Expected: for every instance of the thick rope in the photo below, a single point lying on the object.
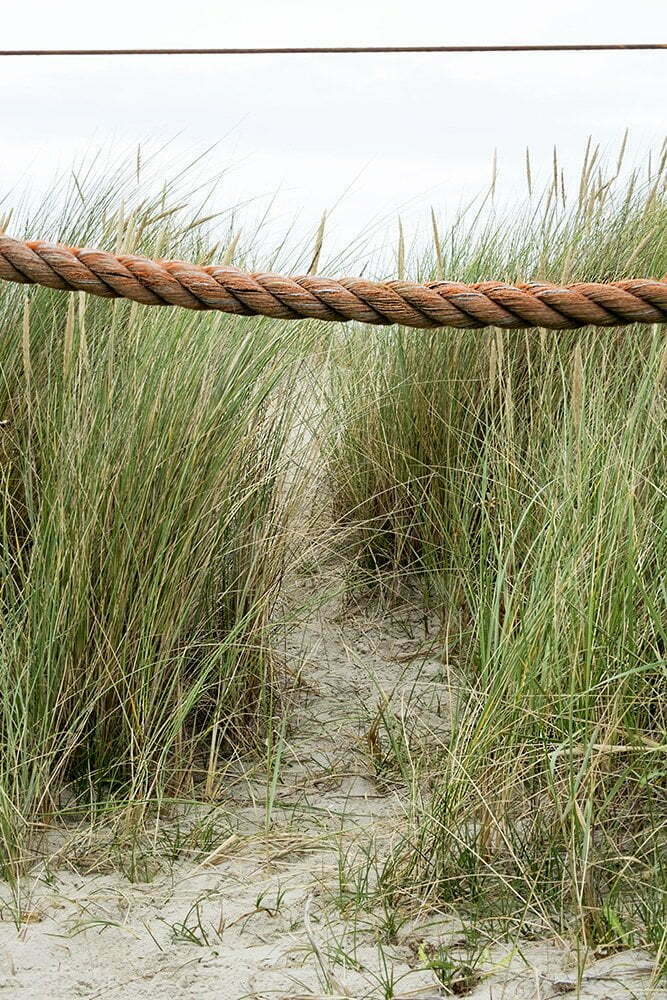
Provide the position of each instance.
(231, 290)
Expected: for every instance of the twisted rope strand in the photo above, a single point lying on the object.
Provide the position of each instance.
(231, 290)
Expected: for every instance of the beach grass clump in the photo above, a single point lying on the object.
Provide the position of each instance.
(515, 482)
(147, 484)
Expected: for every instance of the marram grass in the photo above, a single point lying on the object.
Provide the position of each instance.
(512, 482)
(147, 485)
(516, 482)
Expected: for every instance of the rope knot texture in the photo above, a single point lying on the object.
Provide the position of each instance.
(423, 306)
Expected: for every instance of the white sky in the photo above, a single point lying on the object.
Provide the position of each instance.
(406, 131)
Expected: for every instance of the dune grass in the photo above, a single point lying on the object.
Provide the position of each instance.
(146, 490)
(516, 482)
(512, 483)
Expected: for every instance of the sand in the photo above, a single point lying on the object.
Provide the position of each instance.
(264, 911)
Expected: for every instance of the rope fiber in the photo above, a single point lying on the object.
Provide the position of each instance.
(232, 290)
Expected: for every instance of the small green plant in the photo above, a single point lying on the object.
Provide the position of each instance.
(193, 930)
(264, 904)
(458, 967)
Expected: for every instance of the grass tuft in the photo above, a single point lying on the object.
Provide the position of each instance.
(515, 481)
